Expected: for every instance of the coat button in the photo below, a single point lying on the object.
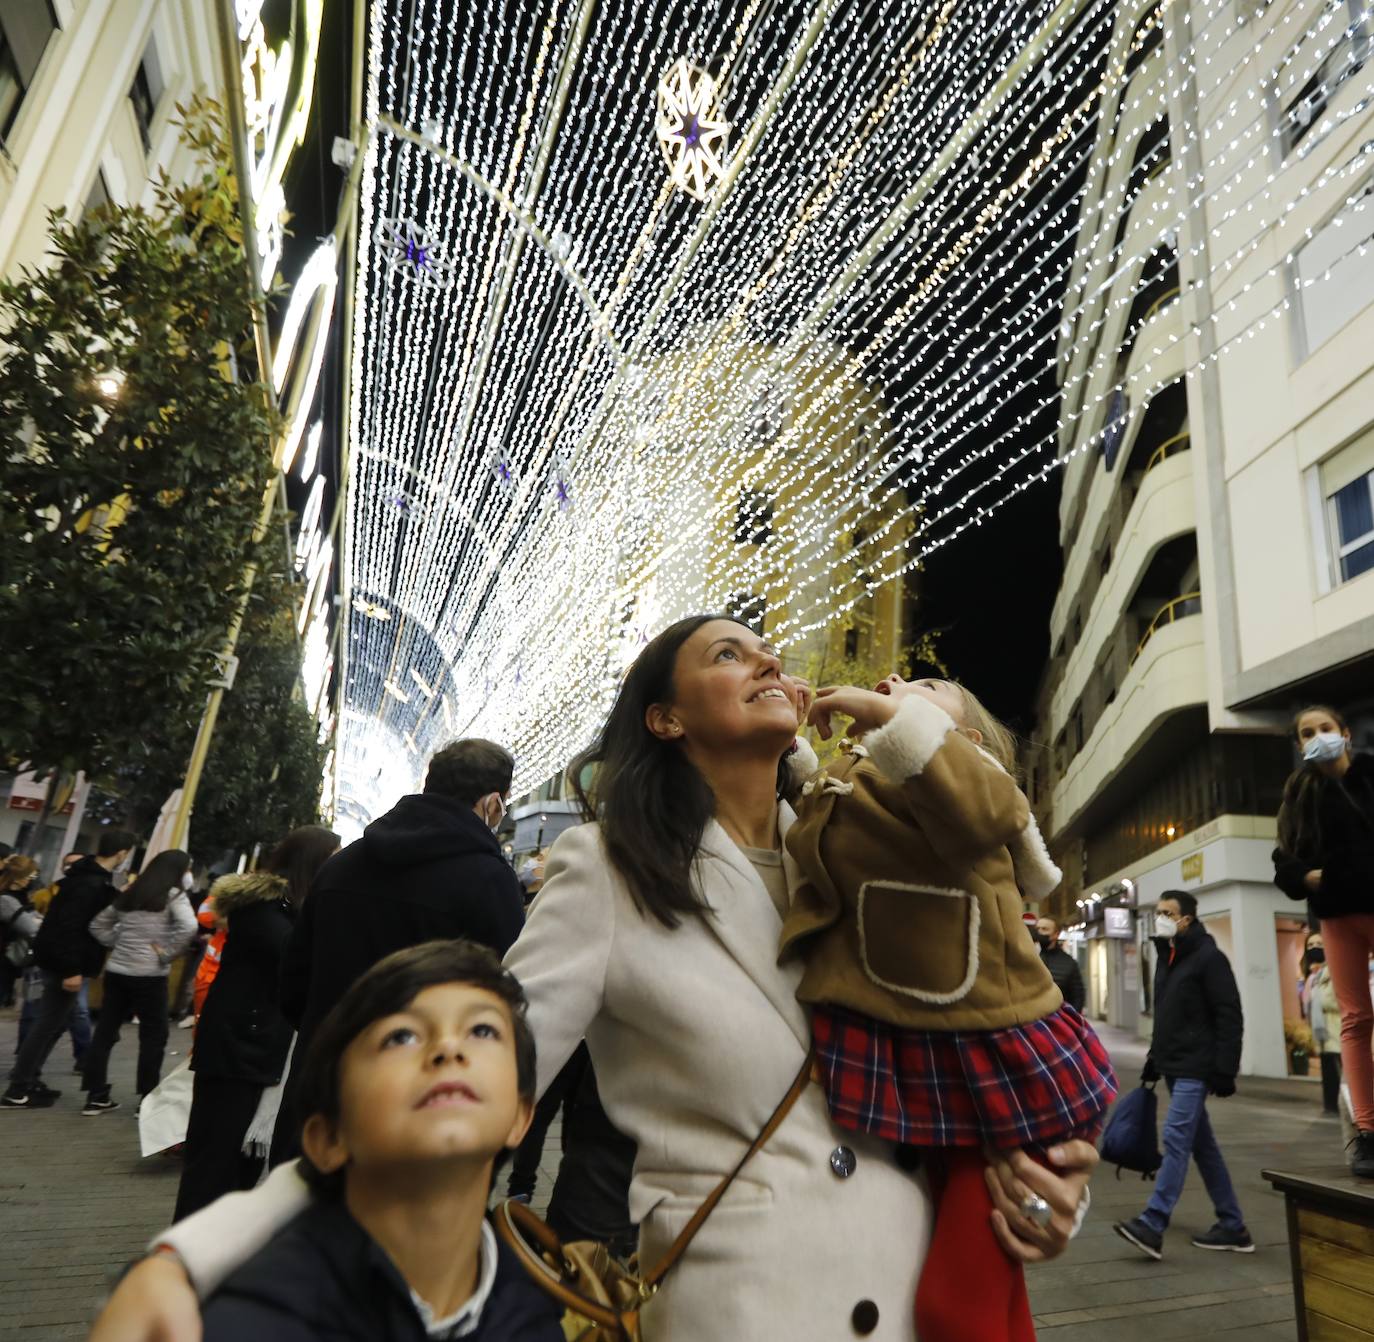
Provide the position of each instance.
(865, 1317)
(843, 1161)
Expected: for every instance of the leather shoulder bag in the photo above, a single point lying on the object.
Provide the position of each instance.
(603, 1298)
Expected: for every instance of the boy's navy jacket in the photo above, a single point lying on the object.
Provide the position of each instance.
(323, 1277)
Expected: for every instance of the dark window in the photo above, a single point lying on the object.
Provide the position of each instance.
(1144, 45)
(99, 193)
(753, 518)
(1353, 508)
(146, 94)
(1302, 111)
(1077, 625)
(25, 29)
(747, 609)
(851, 643)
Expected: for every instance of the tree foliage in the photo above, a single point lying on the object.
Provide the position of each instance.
(137, 450)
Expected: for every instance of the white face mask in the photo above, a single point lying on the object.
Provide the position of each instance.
(1324, 747)
(500, 814)
(1165, 926)
(188, 881)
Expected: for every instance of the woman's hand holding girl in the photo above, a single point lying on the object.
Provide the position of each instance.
(1013, 1177)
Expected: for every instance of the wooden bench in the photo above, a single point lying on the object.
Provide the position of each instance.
(1331, 1240)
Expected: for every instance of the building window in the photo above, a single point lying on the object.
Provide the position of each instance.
(146, 93)
(99, 194)
(1334, 280)
(26, 26)
(1352, 527)
(1303, 108)
(753, 518)
(1145, 41)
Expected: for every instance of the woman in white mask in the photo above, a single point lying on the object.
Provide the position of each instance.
(1326, 856)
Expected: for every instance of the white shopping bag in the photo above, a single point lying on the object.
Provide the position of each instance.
(166, 1110)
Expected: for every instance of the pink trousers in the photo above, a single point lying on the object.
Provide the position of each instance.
(1349, 942)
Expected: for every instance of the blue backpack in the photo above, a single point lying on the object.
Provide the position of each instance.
(1131, 1141)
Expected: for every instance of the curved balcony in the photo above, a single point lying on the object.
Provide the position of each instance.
(1180, 442)
(1177, 609)
(1168, 676)
(1164, 507)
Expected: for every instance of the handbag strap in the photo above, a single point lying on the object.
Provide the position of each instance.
(689, 1231)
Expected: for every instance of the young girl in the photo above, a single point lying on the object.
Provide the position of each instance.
(935, 1023)
(1326, 857)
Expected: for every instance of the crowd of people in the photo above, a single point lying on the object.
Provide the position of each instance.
(815, 977)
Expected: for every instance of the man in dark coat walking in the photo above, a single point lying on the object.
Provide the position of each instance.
(1196, 1049)
(67, 955)
(429, 869)
(1068, 978)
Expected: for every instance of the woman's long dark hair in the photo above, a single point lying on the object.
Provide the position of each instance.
(652, 803)
(1300, 830)
(155, 885)
(298, 858)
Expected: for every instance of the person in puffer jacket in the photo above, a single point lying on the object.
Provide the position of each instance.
(146, 928)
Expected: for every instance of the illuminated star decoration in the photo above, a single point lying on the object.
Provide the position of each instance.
(408, 249)
(692, 140)
(503, 471)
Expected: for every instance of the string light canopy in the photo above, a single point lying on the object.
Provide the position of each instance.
(663, 308)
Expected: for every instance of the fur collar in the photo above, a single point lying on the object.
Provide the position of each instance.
(231, 893)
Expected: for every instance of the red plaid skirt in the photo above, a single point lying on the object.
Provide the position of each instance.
(1025, 1085)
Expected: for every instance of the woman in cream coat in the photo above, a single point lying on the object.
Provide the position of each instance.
(655, 937)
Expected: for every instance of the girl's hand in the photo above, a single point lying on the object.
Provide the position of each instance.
(804, 696)
(867, 708)
(1313, 881)
(1013, 1175)
(154, 1303)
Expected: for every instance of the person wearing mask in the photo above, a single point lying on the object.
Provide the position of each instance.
(67, 954)
(242, 1039)
(1325, 856)
(1196, 1049)
(18, 921)
(146, 928)
(1062, 966)
(1323, 1015)
(430, 868)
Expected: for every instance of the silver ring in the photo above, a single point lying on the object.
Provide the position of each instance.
(1036, 1210)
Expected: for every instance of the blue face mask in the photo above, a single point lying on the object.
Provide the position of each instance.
(1324, 747)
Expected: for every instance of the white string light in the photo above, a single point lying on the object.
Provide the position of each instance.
(565, 371)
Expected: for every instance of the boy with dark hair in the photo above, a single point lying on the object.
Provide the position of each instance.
(415, 1083)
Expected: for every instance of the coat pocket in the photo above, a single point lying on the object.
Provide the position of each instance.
(919, 940)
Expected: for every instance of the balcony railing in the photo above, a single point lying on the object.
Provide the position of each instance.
(1162, 301)
(1180, 442)
(1177, 609)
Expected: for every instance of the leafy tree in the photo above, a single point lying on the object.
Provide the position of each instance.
(262, 774)
(137, 451)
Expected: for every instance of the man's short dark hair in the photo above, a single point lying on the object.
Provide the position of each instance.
(1187, 902)
(391, 985)
(470, 769)
(114, 841)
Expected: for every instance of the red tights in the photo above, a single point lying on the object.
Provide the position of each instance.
(970, 1291)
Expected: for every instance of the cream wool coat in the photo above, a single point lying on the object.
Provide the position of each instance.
(696, 1034)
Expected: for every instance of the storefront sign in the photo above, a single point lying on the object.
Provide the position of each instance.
(1192, 867)
(1118, 923)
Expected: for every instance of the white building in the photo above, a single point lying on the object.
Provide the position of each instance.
(1217, 517)
(88, 94)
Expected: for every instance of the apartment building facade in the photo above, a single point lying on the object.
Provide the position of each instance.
(1217, 517)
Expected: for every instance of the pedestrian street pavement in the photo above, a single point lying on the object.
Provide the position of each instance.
(77, 1202)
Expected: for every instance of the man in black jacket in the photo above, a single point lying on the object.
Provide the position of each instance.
(1063, 967)
(1196, 1049)
(67, 955)
(429, 869)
